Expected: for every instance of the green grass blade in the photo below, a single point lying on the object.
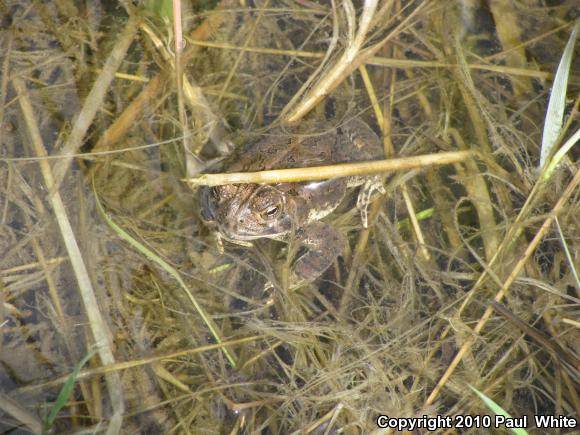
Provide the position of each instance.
(160, 8)
(498, 410)
(170, 270)
(65, 392)
(557, 102)
(560, 154)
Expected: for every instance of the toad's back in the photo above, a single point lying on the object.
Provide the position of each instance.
(280, 149)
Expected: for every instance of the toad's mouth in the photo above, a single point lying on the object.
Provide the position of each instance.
(236, 235)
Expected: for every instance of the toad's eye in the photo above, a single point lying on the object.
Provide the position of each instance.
(271, 212)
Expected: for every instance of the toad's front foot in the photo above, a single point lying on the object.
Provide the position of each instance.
(364, 197)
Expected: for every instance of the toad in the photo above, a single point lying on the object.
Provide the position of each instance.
(293, 211)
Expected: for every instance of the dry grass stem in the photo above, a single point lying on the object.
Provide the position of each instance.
(22, 415)
(331, 171)
(344, 65)
(382, 61)
(99, 328)
(95, 98)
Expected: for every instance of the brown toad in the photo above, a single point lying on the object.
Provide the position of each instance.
(293, 211)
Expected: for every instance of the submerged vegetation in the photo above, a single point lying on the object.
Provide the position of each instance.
(466, 278)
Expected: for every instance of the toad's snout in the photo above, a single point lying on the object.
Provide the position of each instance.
(240, 226)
